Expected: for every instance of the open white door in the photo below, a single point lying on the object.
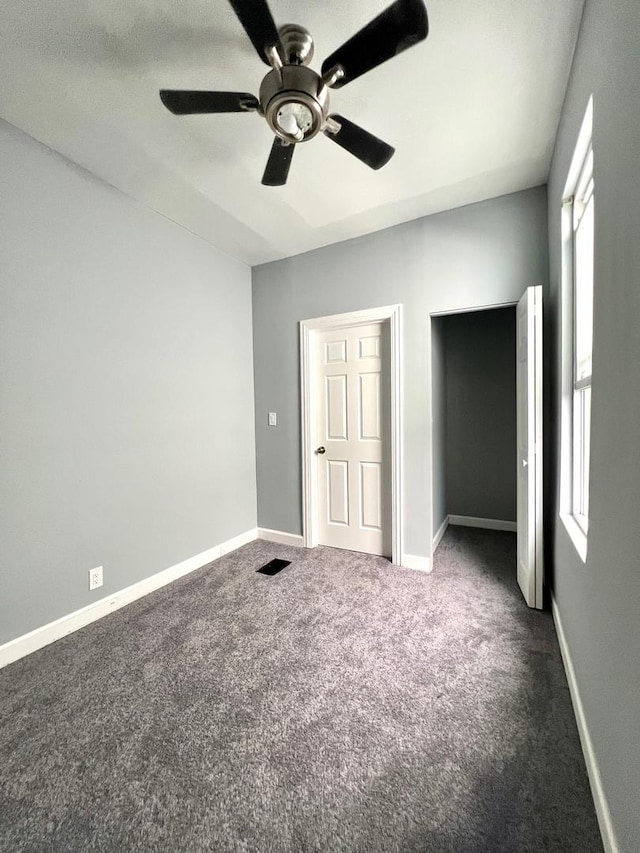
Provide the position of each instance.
(529, 416)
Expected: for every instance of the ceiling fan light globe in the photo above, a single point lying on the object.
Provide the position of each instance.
(288, 124)
(294, 119)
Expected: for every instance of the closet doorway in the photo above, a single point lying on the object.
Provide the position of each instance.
(487, 427)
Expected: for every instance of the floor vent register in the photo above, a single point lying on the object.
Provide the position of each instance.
(274, 566)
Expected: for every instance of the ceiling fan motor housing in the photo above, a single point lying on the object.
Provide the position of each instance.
(293, 98)
(288, 87)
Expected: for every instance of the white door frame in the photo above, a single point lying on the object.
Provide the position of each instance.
(308, 328)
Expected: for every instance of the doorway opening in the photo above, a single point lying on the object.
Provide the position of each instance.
(474, 416)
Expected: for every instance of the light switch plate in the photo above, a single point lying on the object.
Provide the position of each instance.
(272, 419)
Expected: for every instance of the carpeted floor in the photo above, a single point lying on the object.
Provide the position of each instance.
(343, 705)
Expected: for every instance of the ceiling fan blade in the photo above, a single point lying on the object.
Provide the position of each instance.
(399, 27)
(185, 102)
(257, 20)
(275, 175)
(362, 144)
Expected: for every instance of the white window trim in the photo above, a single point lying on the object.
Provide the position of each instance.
(576, 534)
(574, 187)
(582, 196)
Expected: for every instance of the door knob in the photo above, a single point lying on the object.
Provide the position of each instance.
(321, 450)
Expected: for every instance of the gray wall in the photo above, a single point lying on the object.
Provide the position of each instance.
(439, 421)
(481, 414)
(599, 602)
(126, 392)
(484, 254)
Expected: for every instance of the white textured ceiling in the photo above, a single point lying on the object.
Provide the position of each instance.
(472, 111)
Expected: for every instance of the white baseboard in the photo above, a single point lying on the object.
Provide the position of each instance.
(280, 537)
(607, 831)
(486, 523)
(420, 564)
(439, 534)
(43, 636)
(225, 548)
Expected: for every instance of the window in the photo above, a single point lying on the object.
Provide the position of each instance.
(583, 233)
(578, 218)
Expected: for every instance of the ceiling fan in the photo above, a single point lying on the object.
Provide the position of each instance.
(294, 99)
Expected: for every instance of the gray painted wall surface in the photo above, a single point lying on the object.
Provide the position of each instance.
(439, 421)
(481, 414)
(600, 602)
(484, 254)
(126, 392)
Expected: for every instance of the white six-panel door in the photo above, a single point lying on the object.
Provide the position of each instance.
(352, 435)
(529, 430)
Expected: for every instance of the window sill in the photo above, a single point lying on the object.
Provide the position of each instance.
(576, 534)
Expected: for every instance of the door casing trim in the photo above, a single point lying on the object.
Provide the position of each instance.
(308, 328)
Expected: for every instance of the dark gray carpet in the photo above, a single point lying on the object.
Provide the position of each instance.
(342, 705)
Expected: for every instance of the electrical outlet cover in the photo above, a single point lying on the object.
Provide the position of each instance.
(95, 577)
